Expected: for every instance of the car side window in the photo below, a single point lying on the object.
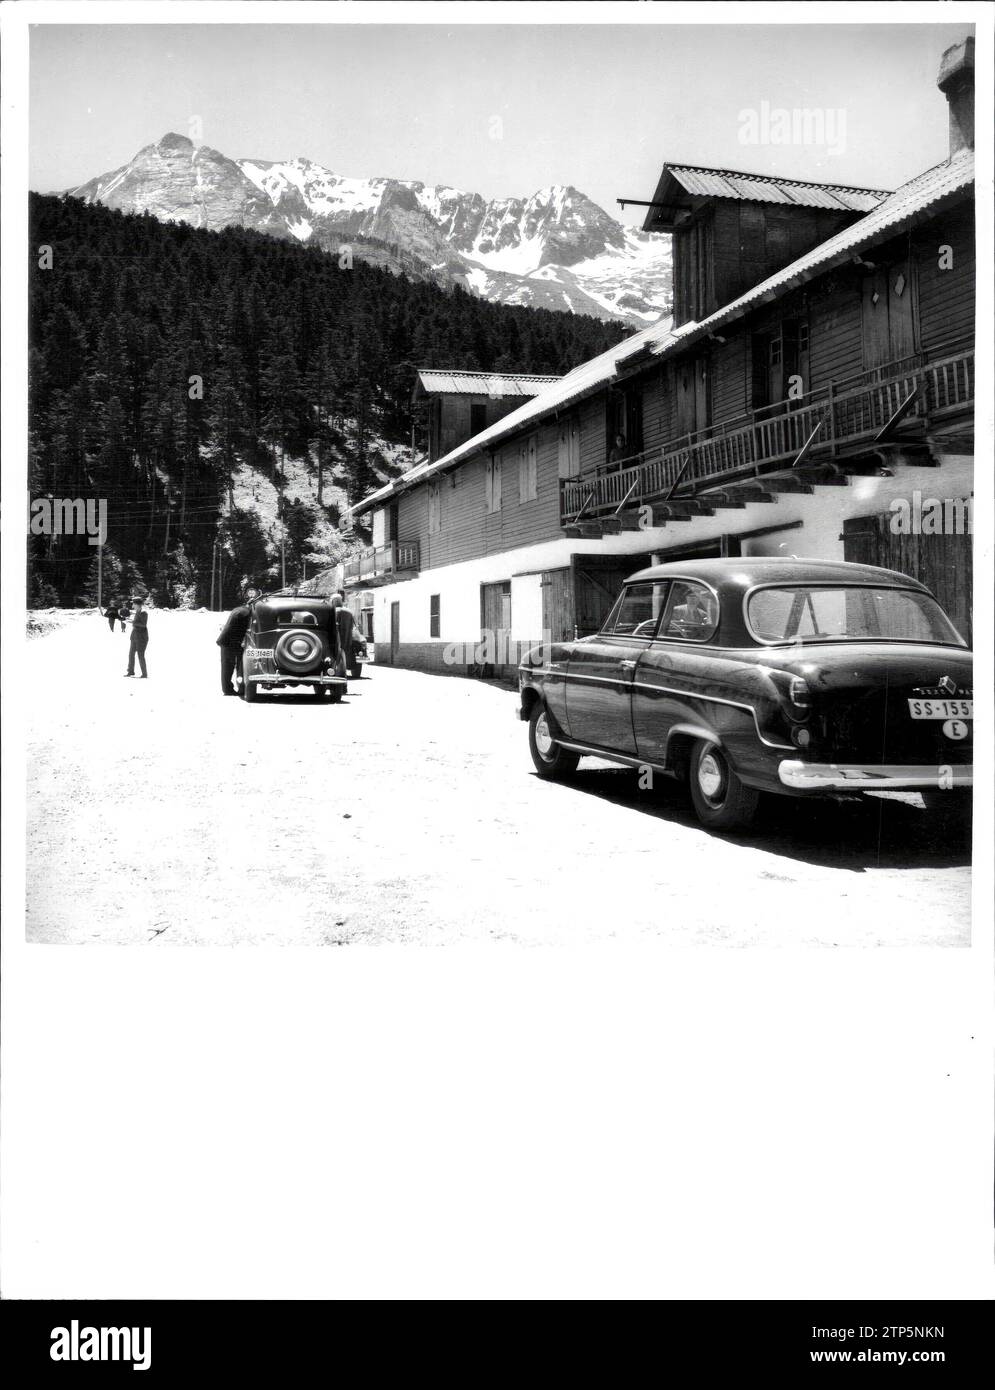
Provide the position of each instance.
(692, 613)
(638, 611)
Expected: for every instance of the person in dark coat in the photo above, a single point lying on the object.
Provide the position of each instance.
(124, 612)
(230, 641)
(345, 625)
(139, 640)
(112, 615)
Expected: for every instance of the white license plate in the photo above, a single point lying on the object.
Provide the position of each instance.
(941, 709)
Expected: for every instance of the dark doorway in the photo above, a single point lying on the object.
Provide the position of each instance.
(395, 631)
(597, 581)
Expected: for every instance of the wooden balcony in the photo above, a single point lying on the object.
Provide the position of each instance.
(805, 441)
(381, 564)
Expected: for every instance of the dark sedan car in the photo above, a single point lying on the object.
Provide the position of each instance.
(744, 676)
(292, 641)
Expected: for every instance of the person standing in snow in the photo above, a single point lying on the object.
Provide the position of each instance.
(112, 615)
(139, 640)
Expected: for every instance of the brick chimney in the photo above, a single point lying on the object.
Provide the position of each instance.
(956, 82)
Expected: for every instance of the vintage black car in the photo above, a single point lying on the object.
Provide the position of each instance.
(742, 676)
(292, 641)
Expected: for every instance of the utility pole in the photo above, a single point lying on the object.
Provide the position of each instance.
(214, 551)
(100, 570)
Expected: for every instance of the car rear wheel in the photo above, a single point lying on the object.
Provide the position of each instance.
(550, 759)
(335, 693)
(250, 692)
(356, 671)
(720, 799)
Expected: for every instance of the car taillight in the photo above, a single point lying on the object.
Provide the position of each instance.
(799, 693)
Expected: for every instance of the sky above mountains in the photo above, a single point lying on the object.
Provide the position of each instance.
(498, 109)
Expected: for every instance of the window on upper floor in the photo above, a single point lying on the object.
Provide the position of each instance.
(527, 455)
(492, 484)
(478, 417)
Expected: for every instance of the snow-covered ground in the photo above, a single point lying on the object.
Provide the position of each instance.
(410, 813)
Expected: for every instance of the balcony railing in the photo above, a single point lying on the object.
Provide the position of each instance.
(823, 423)
(379, 564)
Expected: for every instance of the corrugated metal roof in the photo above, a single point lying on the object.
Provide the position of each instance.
(763, 188)
(910, 201)
(459, 383)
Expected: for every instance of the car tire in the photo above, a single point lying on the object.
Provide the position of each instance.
(721, 801)
(250, 692)
(549, 758)
(335, 693)
(319, 691)
(356, 671)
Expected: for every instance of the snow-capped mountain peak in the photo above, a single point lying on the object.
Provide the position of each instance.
(555, 249)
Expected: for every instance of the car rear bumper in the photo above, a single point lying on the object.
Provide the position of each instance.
(296, 680)
(857, 777)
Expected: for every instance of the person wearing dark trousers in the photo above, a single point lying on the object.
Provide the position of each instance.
(346, 626)
(139, 640)
(112, 615)
(230, 641)
(124, 614)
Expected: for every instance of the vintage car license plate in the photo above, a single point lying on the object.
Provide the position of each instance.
(941, 709)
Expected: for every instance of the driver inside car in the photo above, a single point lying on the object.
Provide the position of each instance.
(696, 615)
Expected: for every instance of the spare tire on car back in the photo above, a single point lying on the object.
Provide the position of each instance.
(298, 651)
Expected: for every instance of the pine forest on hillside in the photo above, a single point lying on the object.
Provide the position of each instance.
(165, 359)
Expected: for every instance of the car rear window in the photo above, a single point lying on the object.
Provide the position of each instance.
(297, 617)
(857, 613)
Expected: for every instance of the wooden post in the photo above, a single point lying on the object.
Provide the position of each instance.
(214, 551)
(100, 571)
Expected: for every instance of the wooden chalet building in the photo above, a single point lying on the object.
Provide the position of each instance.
(818, 369)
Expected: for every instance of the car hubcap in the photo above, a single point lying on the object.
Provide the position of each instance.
(544, 740)
(711, 778)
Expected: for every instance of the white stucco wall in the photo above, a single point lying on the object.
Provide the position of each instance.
(822, 514)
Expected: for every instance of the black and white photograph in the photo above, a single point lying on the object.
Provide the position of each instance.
(501, 479)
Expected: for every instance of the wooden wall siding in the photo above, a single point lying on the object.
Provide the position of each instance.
(468, 531)
(454, 418)
(730, 373)
(835, 346)
(753, 240)
(657, 412)
(946, 297)
(593, 449)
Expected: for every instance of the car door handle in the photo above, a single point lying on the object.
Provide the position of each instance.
(627, 665)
